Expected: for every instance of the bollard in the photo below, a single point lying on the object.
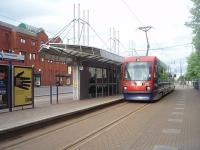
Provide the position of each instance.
(57, 93)
(50, 94)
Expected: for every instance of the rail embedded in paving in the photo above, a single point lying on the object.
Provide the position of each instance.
(127, 126)
(103, 128)
(114, 113)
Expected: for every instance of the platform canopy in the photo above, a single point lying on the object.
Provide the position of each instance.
(68, 53)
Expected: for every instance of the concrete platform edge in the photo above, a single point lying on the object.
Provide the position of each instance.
(8, 130)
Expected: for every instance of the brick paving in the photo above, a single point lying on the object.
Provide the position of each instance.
(67, 132)
(153, 128)
(159, 126)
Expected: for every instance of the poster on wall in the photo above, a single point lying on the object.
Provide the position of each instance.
(23, 87)
(4, 86)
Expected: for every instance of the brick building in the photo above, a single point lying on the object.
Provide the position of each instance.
(26, 40)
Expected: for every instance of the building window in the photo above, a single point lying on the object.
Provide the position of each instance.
(33, 43)
(5, 51)
(69, 70)
(33, 55)
(6, 41)
(22, 53)
(11, 51)
(23, 41)
(42, 42)
(30, 56)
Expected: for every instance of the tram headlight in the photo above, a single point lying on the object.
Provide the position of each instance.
(148, 88)
(125, 88)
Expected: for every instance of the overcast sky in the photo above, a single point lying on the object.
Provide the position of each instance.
(167, 17)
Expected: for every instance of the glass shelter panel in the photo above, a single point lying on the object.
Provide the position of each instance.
(92, 82)
(103, 82)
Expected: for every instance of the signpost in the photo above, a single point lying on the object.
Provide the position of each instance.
(11, 56)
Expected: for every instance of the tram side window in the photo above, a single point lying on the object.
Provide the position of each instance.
(156, 72)
(162, 74)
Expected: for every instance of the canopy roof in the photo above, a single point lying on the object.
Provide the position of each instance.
(68, 53)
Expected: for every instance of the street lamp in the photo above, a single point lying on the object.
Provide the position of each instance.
(145, 29)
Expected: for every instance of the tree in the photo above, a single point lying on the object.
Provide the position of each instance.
(195, 23)
(193, 68)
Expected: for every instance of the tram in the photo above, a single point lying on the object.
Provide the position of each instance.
(145, 78)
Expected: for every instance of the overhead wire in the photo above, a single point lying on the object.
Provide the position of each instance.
(139, 20)
(135, 16)
(18, 21)
(132, 12)
(168, 47)
(10, 18)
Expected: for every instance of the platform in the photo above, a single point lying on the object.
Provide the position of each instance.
(11, 121)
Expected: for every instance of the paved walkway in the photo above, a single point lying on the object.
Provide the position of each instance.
(42, 112)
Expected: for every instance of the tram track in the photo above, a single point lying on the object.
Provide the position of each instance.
(125, 106)
(101, 130)
(118, 105)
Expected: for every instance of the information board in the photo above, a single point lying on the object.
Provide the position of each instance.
(4, 86)
(23, 87)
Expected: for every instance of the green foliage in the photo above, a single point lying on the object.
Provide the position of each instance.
(162, 73)
(193, 69)
(195, 23)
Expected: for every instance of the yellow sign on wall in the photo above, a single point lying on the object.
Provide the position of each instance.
(23, 90)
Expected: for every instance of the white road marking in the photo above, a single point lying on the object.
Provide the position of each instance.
(179, 108)
(171, 131)
(177, 113)
(180, 104)
(164, 147)
(175, 120)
